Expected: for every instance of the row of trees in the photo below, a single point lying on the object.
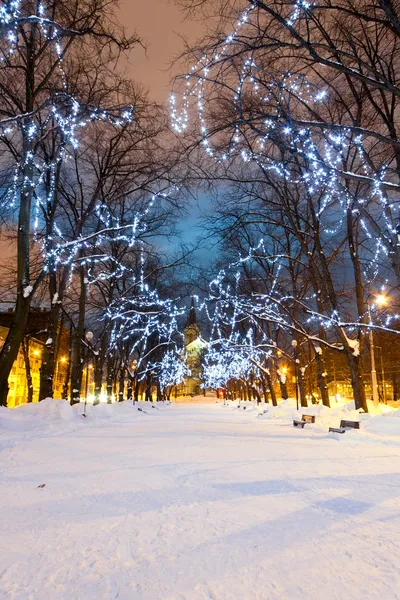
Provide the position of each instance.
(90, 176)
(296, 109)
(288, 111)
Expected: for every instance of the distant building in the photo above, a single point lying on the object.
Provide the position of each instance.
(34, 340)
(194, 349)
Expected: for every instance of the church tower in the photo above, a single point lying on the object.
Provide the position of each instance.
(194, 348)
(192, 330)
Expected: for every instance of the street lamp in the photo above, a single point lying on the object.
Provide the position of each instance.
(131, 378)
(382, 373)
(89, 337)
(380, 300)
(90, 344)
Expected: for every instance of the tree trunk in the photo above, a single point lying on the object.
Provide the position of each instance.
(283, 387)
(115, 385)
(271, 389)
(302, 387)
(321, 375)
(54, 332)
(129, 392)
(68, 367)
(98, 381)
(249, 391)
(159, 395)
(110, 377)
(264, 389)
(148, 388)
(395, 385)
(77, 363)
(137, 389)
(9, 351)
(25, 349)
(56, 292)
(360, 400)
(121, 387)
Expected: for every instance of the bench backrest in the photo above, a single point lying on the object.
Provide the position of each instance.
(350, 424)
(308, 418)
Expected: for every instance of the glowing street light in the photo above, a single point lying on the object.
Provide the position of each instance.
(381, 300)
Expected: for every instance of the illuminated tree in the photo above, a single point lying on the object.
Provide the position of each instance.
(298, 104)
(40, 115)
(172, 371)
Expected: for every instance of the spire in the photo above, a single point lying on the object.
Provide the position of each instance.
(192, 319)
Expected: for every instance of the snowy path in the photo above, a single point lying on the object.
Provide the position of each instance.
(198, 502)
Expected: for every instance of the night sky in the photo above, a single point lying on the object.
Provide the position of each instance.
(160, 24)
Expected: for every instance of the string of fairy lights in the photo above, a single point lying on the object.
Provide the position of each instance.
(325, 155)
(274, 119)
(235, 317)
(67, 116)
(149, 326)
(265, 113)
(134, 322)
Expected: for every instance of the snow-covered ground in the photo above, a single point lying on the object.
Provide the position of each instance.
(197, 502)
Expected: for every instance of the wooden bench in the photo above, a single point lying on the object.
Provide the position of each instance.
(304, 419)
(350, 424)
(308, 418)
(345, 426)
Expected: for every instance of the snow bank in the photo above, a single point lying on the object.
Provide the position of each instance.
(120, 411)
(387, 424)
(54, 412)
(53, 417)
(38, 415)
(381, 421)
(50, 417)
(48, 409)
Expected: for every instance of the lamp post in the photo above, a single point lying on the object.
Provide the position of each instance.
(382, 373)
(374, 381)
(89, 337)
(380, 300)
(86, 388)
(131, 377)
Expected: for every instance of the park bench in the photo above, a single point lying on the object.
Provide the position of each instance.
(308, 418)
(345, 426)
(304, 419)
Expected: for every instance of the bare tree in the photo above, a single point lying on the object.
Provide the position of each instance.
(36, 103)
